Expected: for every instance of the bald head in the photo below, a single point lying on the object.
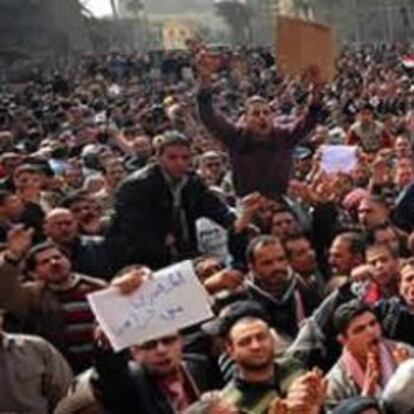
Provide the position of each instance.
(61, 226)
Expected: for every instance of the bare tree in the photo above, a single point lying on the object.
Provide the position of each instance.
(238, 16)
(135, 6)
(114, 8)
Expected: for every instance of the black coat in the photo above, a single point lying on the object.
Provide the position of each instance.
(282, 313)
(144, 216)
(90, 256)
(396, 319)
(126, 388)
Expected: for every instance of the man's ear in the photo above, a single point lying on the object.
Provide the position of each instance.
(229, 347)
(341, 339)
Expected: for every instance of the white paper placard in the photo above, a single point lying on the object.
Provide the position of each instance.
(173, 299)
(338, 158)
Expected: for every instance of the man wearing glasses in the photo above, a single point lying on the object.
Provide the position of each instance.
(151, 377)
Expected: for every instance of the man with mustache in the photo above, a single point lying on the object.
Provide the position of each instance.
(368, 360)
(260, 149)
(86, 212)
(273, 284)
(153, 376)
(53, 305)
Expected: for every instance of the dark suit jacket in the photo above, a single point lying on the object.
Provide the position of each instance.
(126, 388)
(144, 216)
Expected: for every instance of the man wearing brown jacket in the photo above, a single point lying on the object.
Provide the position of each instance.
(53, 305)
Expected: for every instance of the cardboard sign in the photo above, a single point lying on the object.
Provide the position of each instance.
(173, 299)
(303, 46)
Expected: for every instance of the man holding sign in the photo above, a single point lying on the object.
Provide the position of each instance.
(159, 379)
(261, 151)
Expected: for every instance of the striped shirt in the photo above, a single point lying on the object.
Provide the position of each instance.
(79, 319)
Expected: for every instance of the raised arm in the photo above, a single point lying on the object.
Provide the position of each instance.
(217, 124)
(14, 295)
(303, 125)
(113, 378)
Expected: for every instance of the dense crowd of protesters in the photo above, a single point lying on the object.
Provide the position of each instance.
(121, 166)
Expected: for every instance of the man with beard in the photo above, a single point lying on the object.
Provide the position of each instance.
(54, 304)
(86, 212)
(261, 152)
(302, 258)
(273, 284)
(259, 378)
(372, 211)
(345, 253)
(368, 360)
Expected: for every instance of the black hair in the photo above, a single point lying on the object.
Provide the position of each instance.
(259, 241)
(355, 241)
(75, 197)
(296, 235)
(347, 312)
(370, 237)
(394, 252)
(30, 261)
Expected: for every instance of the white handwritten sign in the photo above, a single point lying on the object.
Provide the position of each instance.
(173, 299)
(337, 158)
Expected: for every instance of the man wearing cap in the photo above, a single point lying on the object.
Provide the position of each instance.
(368, 360)
(156, 208)
(302, 162)
(212, 167)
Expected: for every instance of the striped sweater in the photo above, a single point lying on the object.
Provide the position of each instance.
(78, 319)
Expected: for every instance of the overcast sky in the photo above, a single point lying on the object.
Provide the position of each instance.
(99, 7)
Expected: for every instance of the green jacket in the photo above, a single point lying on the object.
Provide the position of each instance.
(255, 398)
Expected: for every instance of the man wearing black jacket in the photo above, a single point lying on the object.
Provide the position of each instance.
(157, 380)
(273, 284)
(156, 209)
